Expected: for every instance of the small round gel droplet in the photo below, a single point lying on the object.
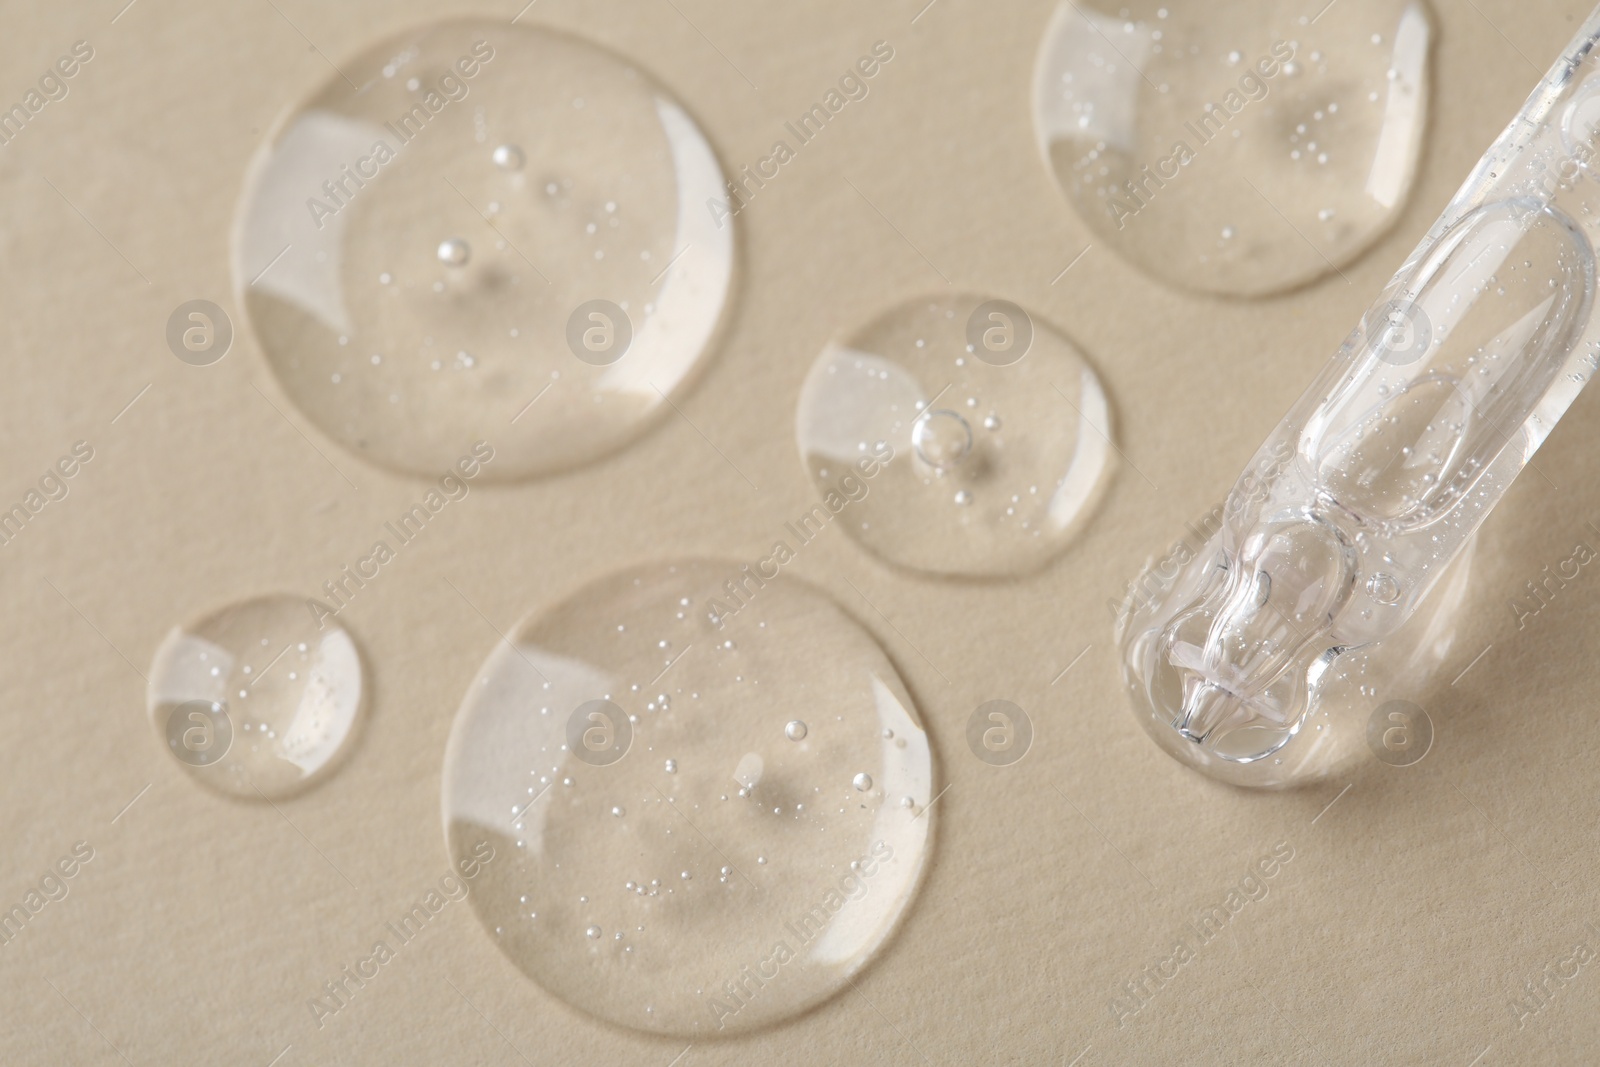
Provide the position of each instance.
(795, 730)
(251, 719)
(914, 381)
(454, 252)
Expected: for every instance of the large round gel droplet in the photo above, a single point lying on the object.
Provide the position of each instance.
(256, 699)
(502, 236)
(954, 435)
(1240, 149)
(795, 873)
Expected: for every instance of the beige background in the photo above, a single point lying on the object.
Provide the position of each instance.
(1411, 913)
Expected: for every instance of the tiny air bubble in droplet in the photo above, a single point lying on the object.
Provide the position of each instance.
(509, 157)
(454, 252)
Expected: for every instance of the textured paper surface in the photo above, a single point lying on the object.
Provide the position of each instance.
(1412, 912)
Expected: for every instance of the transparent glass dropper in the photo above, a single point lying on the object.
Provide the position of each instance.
(1318, 587)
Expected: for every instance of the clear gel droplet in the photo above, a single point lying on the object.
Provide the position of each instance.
(884, 430)
(804, 838)
(580, 282)
(795, 730)
(1242, 150)
(256, 699)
